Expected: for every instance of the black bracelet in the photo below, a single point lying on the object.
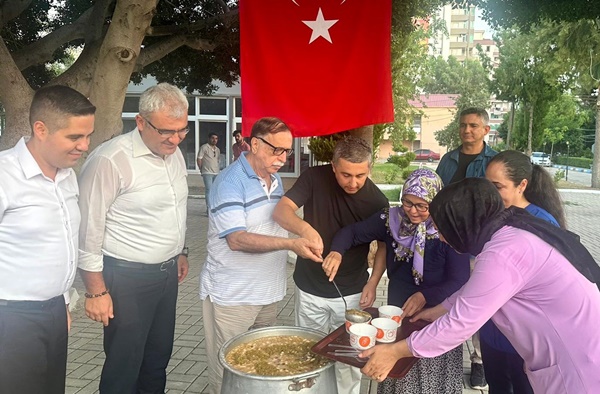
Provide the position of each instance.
(185, 251)
(88, 295)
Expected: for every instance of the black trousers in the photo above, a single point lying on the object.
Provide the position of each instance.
(138, 342)
(33, 346)
(504, 372)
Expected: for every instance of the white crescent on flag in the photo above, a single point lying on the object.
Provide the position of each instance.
(295, 2)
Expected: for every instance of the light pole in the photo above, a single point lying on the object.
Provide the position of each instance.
(567, 173)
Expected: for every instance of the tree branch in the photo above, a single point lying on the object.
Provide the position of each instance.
(42, 50)
(157, 51)
(168, 30)
(223, 6)
(95, 30)
(11, 9)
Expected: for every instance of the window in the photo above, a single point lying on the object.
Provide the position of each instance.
(213, 106)
(128, 125)
(188, 147)
(131, 104)
(191, 106)
(417, 123)
(238, 107)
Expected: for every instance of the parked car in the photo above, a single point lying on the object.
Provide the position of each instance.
(426, 154)
(541, 158)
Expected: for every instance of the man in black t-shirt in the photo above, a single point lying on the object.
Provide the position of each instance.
(334, 196)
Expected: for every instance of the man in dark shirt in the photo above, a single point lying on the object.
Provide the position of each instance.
(239, 145)
(471, 158)
(334, 196)
(467, 161)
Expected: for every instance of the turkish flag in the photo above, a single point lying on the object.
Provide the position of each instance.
(321, 66)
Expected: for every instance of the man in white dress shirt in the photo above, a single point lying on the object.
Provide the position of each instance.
(132, 255)
(39, 224)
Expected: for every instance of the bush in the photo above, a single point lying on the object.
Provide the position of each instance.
(581, 162)
(558, 176)
(406, 172)
(392, 195)
(390, 177)
(402, 161)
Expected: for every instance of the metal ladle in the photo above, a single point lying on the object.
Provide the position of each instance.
(340, 293)
(354, 318)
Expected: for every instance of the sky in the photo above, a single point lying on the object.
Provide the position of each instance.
(480, 24)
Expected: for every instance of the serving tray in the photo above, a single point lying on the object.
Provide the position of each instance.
(341, 337)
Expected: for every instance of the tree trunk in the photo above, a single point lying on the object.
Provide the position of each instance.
(511, 124)
(365, 132)
(530, 131)
(116, 61)
(596, 162)
(15, 95)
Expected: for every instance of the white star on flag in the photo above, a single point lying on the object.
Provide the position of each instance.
(320, 27)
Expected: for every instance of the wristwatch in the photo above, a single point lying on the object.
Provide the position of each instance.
(185, 251)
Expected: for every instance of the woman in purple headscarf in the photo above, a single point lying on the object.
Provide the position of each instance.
(422, 272)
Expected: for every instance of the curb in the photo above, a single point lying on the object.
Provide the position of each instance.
(580, 191)
(576, 169)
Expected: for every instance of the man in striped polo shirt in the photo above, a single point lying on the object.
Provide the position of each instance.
(244, 275)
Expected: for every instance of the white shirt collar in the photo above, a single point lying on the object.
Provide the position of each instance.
(139, 146)
(30, 166)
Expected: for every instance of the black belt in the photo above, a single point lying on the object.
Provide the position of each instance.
(165, 265)
(36, 305)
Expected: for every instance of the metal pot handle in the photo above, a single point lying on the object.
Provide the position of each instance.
(305, 382)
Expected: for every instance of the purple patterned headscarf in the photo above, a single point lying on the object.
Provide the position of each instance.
(410, 238)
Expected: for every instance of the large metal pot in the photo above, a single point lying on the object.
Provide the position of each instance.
(320, 380)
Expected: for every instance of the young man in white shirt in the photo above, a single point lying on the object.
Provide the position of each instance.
(39, 224)
(132, 255)
(209, 156)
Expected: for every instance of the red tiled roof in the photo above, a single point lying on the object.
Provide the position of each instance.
(435, 101)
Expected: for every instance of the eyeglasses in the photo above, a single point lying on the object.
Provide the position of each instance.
(420, 207)
(277, 150)
(169, 133)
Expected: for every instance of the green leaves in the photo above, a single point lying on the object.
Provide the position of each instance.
(469, 80)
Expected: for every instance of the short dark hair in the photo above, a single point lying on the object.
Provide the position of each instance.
(55, 104)
(482, 113)
(236, 132)
(268, 125)
(213, 133)
(353, 149)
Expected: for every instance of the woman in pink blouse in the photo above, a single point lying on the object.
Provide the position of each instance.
(535, 281)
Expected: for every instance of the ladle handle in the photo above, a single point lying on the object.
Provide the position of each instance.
(338, 290)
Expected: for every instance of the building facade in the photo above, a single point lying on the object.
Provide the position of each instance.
(220, 113)
(438, 111)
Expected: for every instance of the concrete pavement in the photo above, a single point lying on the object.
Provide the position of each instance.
(187, 370)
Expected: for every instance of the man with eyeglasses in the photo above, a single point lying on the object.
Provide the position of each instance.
(334, 196)
(133, 199)
(244, 276)
(209, 157)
